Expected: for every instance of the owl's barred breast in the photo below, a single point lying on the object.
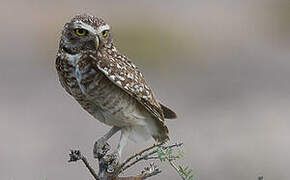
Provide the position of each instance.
(97, 94)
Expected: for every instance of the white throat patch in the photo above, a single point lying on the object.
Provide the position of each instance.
(74, 59)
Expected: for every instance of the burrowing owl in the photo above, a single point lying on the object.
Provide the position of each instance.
(107, 84)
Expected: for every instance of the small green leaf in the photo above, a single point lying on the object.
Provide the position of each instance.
(186, 173)
(161, 155)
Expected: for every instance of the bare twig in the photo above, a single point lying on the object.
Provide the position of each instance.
(156, 157)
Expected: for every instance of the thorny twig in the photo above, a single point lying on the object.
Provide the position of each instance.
(150, 171)
(172, 164)
(145, 154)
(119, 170)
(76, 155)
(124, 166)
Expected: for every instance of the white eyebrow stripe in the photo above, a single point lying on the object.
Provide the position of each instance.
(85, 26)
(104, 27)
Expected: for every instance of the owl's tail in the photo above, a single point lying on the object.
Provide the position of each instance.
(153, 128)
(138, 133)
(168, 113)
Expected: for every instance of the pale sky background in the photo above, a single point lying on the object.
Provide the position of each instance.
(223, 66)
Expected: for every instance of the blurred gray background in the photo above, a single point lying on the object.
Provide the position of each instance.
(224, 66)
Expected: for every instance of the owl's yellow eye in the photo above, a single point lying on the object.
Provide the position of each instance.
(105, 33)
(81, 32)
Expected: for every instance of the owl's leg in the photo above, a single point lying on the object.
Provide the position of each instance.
(123, 141)
(101, 145)
(114, 158)
(109, 134)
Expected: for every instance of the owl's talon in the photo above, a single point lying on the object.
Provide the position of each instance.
(101, 148)
(112, 161)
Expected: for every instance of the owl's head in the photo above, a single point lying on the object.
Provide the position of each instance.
(85, 33)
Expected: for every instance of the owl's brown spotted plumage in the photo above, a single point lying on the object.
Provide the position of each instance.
(107, 84)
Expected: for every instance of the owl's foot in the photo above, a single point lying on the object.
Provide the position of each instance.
(112, 161)
(101, 148)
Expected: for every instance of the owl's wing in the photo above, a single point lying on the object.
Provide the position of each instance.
(123, 73)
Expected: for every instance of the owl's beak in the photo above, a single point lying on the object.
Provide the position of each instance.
(97, 42)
